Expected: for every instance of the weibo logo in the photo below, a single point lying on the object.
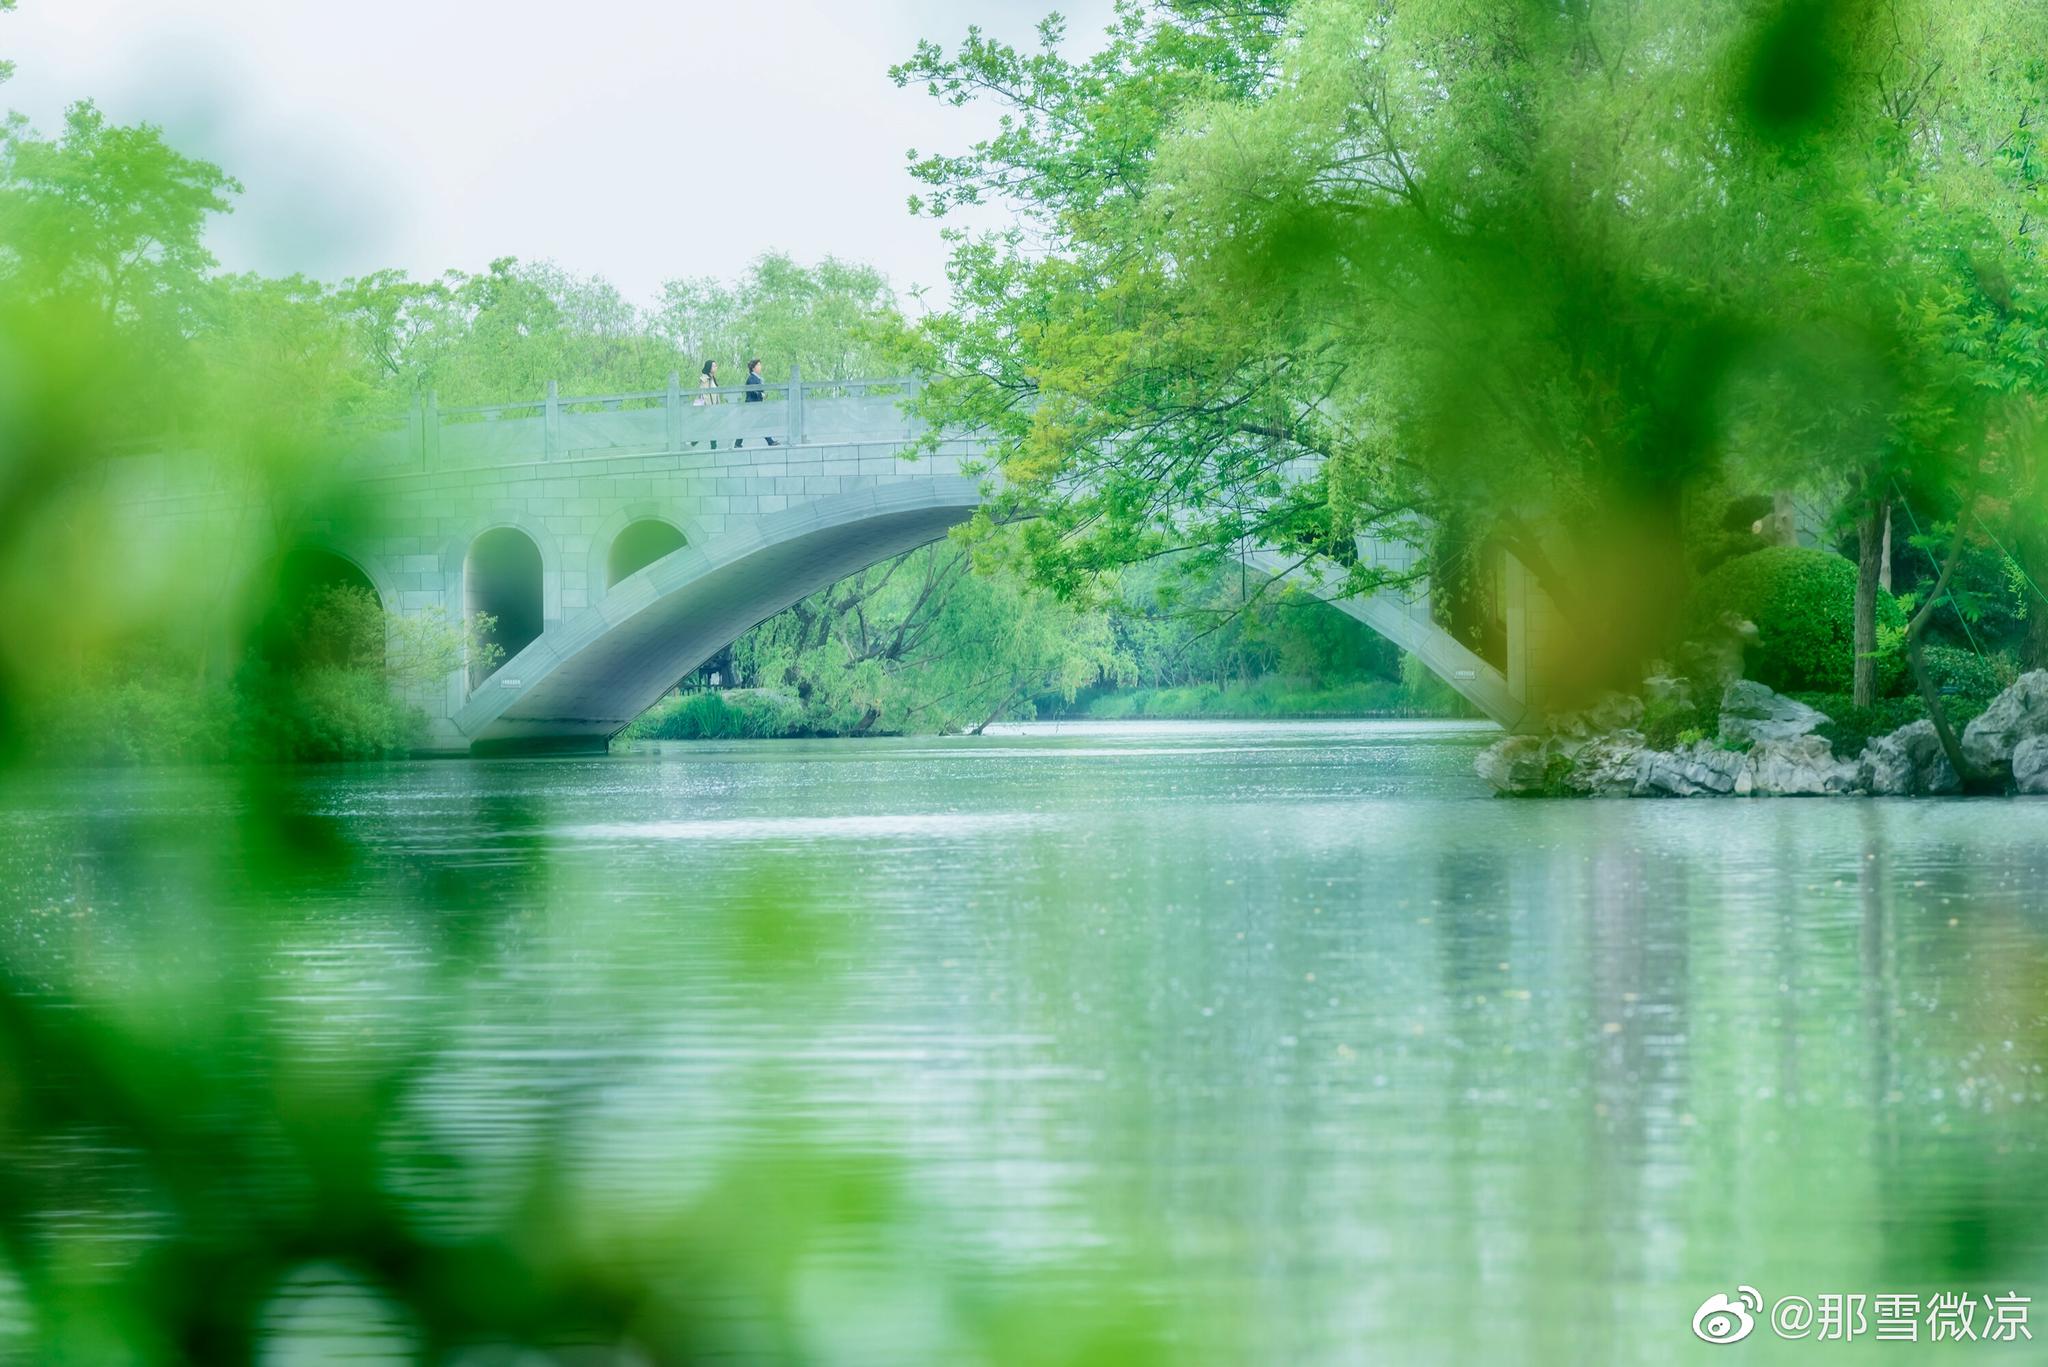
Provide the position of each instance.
(1722, 1320)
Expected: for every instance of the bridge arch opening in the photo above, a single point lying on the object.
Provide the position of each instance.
(306, 572)
(501, 577)
(638, 545)
(292, 589)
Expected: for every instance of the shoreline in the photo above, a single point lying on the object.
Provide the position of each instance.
(1767, 744)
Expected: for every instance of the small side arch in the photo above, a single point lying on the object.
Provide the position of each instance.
(502, 580)
(598, 578)
(368, 567)
(455, 552)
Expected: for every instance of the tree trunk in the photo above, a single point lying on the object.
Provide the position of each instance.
(1931, 695)
(1884, 571)
(2036, 647)
(1870, 542)
(2031, 550)
(1000, 707)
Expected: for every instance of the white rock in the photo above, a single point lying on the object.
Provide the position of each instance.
(1667, 690)
(1610, 712)
(2015, 715)
(1802, 767)
(1606, 766)
(1701, 769)
(1752, 712)
(2030, 764)
(1515, 764)
(1909, 762)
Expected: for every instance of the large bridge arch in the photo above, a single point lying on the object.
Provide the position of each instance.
(592, 673)
(1405, 619)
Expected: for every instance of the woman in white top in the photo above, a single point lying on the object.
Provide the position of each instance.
(707, 382)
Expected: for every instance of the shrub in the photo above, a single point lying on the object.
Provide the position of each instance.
(1803, 602)
(162, 717)
(1733, 533)
(1429, 695)
(1850, 728)
(1278, 696)
(737, 715)
(1666, 723)
(1964, 673)
(326, 713)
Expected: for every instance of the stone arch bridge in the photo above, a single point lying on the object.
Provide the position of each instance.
(620, 541)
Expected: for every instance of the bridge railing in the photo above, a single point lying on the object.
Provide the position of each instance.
(682, 417)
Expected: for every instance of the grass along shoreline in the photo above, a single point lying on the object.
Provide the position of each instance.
(1271, 698)
(764, 714)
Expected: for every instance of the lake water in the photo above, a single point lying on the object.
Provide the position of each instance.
(1210, 1042)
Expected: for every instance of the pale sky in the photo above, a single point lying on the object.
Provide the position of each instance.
(635, 139)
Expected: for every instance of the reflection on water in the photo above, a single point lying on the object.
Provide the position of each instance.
(895, 826)
(1281, 1042)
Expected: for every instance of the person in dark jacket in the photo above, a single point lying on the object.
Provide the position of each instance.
(757, 389)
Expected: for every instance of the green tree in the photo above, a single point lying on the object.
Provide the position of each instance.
(1503, 276)
(106, 213)
(502, 335)
(838, 320)
(277, 363)
(924, 643)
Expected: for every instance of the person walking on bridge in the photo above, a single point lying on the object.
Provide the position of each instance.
(707, 390)
(757, 389)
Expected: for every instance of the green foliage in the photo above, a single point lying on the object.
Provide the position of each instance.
(1963, 673)
(838, 320)
(1182, 622)
(423, 648)
(1986, 600)
(1803, 603)
(328, 683)
(107, 215)
(341, 628)
(1429, 695)
(1719, 526)
(1849, 728)
(1273, 697)
(277, 366)
(335, 686)
(144, 718)
(325, 713)
(502, 335)
(739, 714)
(920, 643)
(1292, 272)
(926, 644)
(1557, 769)
(1668, 721)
